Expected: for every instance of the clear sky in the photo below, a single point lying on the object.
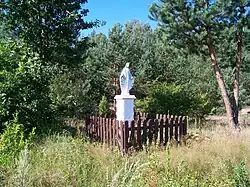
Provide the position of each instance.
(118, 11)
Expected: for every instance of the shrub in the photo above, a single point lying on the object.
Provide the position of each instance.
(103, 106)
(13, 140)
(23, 87)
(77, 93)
(240, 176)
(173, 99)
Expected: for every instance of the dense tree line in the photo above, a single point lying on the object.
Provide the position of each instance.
(167, 78)
(49, 72)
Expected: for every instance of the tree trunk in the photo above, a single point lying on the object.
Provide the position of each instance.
(236, 79)
(239, 38)
(220, 79)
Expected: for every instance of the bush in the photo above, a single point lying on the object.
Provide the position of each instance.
(173, 99)
(13, 140)
(103, 107)
(73, 96)
(77, 93)
(23, 87)
(240, 176)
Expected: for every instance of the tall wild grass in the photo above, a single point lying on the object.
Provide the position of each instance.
(61, 160)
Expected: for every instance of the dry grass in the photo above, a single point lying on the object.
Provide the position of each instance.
(65, 161)
(216, 147)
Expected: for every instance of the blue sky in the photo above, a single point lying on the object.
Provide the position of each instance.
(118, 11)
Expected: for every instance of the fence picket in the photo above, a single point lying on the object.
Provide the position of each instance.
(166, 126)
(185, 126)
(171, 129)
(112, 132)
(138, 132)
(126, 136)
(100, 129)
(104, 130)
(132, 133)
(155, 130)
(121, 139)
(180, 128)
(117, 135)
(176, 124)
(107, 131)
(161, 133)
(150, 132)
(144, 135)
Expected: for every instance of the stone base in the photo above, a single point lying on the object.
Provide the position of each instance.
(125, 107)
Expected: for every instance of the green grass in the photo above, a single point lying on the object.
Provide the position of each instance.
(61, 160)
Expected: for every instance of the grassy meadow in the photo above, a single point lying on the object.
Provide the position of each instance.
(210, 158)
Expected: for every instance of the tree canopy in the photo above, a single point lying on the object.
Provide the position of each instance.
(216, 28)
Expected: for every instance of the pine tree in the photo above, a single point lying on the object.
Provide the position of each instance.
(201, 25)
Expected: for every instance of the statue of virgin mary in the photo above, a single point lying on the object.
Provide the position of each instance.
(126, 80)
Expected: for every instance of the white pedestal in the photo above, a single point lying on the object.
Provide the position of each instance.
(125, 107)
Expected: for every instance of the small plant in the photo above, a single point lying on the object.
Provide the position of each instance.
(103, 107)
(240, 176)
(13, 140)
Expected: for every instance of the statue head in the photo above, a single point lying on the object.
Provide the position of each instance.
(127, 65)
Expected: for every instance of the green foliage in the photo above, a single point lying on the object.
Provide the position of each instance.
(70, 94)
(77, 93)
(13, 140)
(50, 28)
(45, 49)
(103, 107)
(174, 99)
(199, 27)
(164, 98)
(152, 59)
(23, 86)
(240, 176)
(186, 22)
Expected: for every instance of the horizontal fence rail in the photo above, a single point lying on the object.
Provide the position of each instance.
(134, 134)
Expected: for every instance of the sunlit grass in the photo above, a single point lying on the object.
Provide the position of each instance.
(65, 161)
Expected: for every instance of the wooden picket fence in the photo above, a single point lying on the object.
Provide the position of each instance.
(137, 133)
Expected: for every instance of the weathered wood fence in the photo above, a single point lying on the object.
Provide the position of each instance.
(139, 132)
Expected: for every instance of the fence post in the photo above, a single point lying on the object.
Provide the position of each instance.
(110, 132)
(126, 136)
(121, 136)
(144, 137)
(156, 129)
(171, 127)
(166, 125)
(185, 126)
(103, 130)
(176, 124)
(107, 130)
(161, 133)
(138, 131)
(181, 129)
(150, 134)
(132, 133)
(87, 122)
(117, 135)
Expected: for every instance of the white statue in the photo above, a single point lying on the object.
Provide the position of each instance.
(126, 80)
